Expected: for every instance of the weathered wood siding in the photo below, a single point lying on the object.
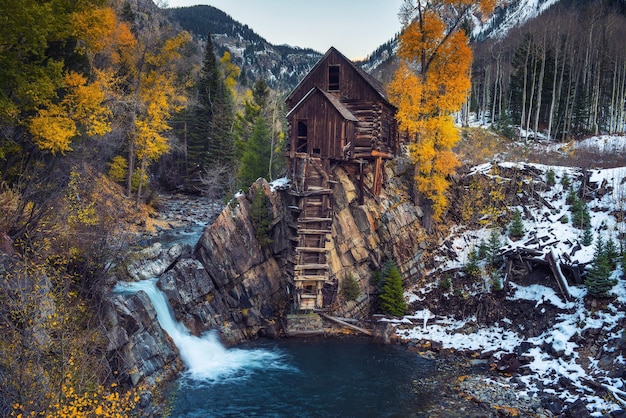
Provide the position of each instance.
(351, 83)
(327, 131)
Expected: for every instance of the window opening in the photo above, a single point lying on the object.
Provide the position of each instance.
(333, 78)
(302, 139)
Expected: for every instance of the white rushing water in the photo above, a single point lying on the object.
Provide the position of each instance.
(205, 357)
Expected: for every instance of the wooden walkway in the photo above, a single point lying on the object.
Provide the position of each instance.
(311, 188)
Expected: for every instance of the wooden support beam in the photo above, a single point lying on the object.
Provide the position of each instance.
(312, 249)
(311, 267)
(314, 231)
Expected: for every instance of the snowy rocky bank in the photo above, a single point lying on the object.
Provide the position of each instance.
(551, 349)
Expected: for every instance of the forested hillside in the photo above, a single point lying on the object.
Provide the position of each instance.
(561, 75)
(102, 106)
(280, 66)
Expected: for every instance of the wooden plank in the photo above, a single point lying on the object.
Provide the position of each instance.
(313, 219)
(311, 267)
(314, 231)
(310, 278)
(312, 249)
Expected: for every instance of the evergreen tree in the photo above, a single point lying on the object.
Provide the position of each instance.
(472, 268)
(255, 155)
(350, 288)
(598, 280)
(493, 248)
(587, 238)
(612, 253)
(210, 140)
(550, 178)
(516, 229)
(580, 212)
(392, 298)
(261, 217)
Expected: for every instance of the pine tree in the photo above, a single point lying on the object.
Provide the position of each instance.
(210, 138)
(612, 253)
(255, 156)
(392, 298)
(598, 280)
(493, 248)
(587, 238)
(516, 229)
(472, 268)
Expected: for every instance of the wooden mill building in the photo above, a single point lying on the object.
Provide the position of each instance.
(339, 115)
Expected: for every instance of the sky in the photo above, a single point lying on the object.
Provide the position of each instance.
(354, 27)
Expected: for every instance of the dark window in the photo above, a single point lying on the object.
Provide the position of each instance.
(301, 144)
(333, 78)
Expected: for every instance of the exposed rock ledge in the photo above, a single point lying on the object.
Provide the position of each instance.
(229, 283)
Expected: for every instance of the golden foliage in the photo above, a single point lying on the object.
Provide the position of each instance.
(55, 125)
(102, 33)
(430, 85)
(231, 72)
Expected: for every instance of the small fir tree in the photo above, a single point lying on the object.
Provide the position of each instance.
(350, 287)
(565, 181)
(516, 229)
(598, 280)
(550, 178)
(612, 253)
(472, 268)
(261, 217)
(580, 212)
(587, 238)
(493, 249)
(392, 298)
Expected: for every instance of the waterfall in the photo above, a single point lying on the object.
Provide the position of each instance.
(205, 358)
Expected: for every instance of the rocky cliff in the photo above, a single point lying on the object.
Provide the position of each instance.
(236, 278)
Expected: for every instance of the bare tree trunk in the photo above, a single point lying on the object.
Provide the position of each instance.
(523, 116)
(532, 94)
(540, 85)
(554, 95)
(142, 172)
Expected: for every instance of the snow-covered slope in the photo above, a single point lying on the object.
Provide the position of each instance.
(577, 354)
(509, 14)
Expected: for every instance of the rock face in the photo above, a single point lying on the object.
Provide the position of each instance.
(234, 284)
(138, 346)
(236, 278)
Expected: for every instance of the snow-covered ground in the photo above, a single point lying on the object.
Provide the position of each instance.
(557, 355)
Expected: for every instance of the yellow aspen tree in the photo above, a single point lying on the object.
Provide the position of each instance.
(81, 109)
(158, 97)
(55, 125)
(430, 85)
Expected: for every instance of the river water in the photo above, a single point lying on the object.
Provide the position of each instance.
(314, 378)
(338, 377)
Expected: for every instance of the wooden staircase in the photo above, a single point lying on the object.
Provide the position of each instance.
(311, 188)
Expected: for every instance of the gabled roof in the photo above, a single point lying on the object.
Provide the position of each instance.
(373, 82)
(345, 113)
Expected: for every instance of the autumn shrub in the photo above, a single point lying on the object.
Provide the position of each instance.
(118, 168)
